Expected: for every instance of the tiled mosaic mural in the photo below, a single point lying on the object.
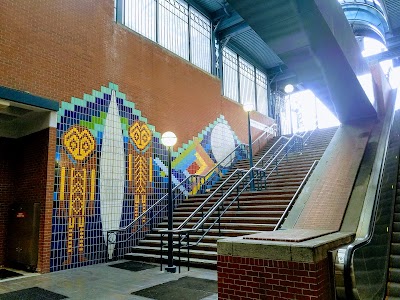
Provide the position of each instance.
(111, 166)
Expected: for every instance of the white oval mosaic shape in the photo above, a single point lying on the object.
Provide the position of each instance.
(112, 172)
(222, 143)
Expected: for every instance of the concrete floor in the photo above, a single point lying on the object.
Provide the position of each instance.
(101, 281)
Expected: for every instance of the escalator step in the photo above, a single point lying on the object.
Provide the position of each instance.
(396, 217)
(395, 249)
(394, 275)
(396, 237)
(396, 227)
(395, 261)
(393, 289)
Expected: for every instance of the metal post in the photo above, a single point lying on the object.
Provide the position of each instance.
(316, 112)
(291, 117)
(170, 268)
(250, 153)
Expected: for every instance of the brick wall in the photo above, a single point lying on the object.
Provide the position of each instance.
(26, 175)
(6, 189)
(62, 49)
(251, 278)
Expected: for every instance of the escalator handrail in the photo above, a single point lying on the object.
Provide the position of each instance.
(363, 241)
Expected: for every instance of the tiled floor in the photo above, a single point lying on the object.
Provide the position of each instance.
(101, 281)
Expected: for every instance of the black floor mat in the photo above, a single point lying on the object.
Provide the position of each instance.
(34, 293)
(133, 266)
(185, 288)
(7, 274)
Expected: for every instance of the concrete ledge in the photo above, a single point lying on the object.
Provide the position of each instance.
(311, 250)
(290, 235)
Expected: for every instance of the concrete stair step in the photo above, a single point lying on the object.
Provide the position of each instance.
(259, 210)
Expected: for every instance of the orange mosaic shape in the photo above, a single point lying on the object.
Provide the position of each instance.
(78, 192)
(140, 134)
(141, 174)
(79, 142)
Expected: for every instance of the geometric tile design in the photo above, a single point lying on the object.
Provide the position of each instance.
(105, 133)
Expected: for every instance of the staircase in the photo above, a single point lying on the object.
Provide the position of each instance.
(259, 210)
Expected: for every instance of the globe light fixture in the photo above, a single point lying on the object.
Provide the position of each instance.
(248, 107)
(289, 88)
(168, 139)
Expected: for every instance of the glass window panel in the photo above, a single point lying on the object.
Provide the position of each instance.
(140, 16)
(200, 40)
(230, 69)
(173, 26)
(247, 86)
(262, 93)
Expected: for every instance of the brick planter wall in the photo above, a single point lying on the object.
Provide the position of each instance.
(251, 278)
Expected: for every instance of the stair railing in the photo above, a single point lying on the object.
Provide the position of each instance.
(241, 185)
(194, 183)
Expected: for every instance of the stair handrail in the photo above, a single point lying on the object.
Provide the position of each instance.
(220, 203)
(267, 130)
(304, 137)
(225, 195)
(239, 181)
(366, 239)
(294, 198)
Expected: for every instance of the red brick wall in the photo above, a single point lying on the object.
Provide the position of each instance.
(26, 177)
(6, 189)
(59, 49)
(250, 278)
(62, 49)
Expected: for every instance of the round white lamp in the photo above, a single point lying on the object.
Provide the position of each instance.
(289, 88)
(168, 139)
(248, 106)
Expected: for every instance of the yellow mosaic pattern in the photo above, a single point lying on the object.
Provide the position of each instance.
(80, 144)
(141, 136)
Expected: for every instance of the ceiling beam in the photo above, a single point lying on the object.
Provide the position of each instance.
(392, 53)
(233, 30)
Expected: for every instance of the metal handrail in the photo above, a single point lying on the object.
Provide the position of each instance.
(177, 187)
(113, 232)
(201, 222)
(300, 136)
(235, 186)
(294, 198)
(220, 187)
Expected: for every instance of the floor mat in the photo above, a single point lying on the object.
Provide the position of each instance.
(34, 293)
(7, 274)
(185, 288)
(133, 266)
